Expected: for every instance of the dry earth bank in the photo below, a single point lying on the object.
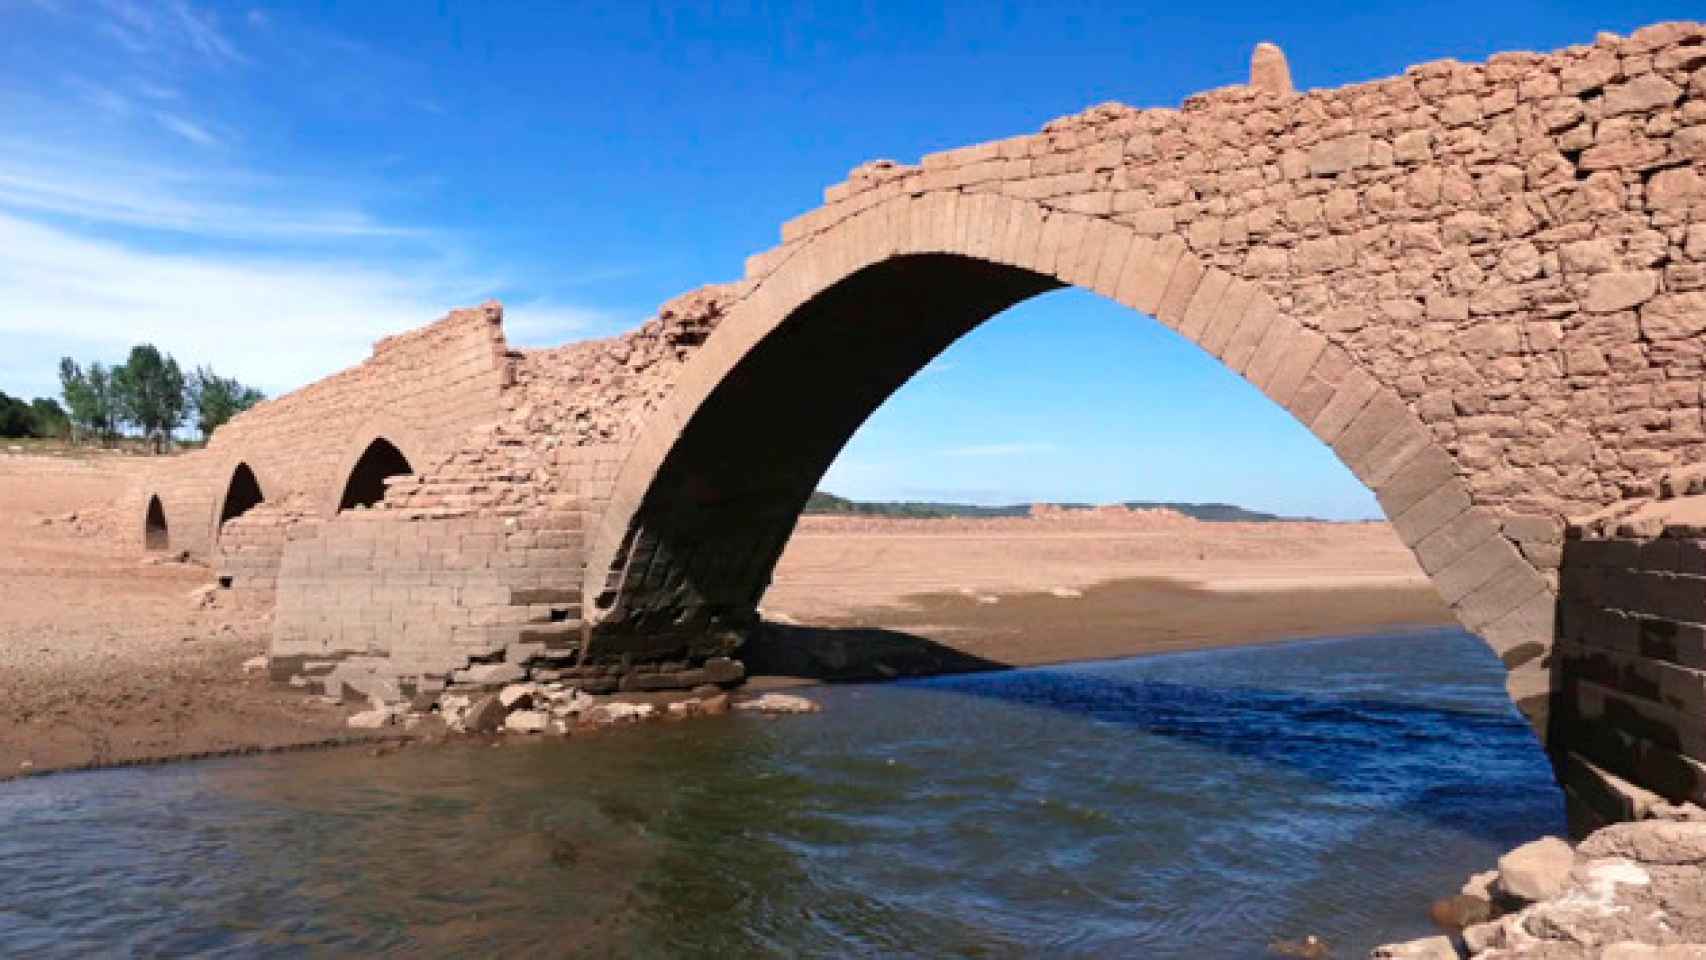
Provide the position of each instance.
(108, 658)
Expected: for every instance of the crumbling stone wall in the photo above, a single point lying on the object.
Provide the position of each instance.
(434, 384)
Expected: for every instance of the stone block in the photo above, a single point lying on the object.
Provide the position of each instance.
(1456, 538)
(1476, 567)
(1446, 503)
(1203, 304)
(1187, 276)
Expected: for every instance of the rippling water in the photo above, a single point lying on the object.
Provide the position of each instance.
(1186, 805)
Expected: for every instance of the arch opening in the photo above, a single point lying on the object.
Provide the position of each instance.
(721, 507)
(242, 494)
(155, 535)
(367, 479)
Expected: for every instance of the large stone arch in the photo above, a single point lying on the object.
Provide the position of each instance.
(710, 491)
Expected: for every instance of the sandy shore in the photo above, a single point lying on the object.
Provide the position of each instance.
(105, 658)
(866, 598)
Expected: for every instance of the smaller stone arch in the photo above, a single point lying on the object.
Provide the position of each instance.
(156, 536)
(243, 492)
(364, 478)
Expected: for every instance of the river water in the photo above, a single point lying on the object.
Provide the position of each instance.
(1185, 805)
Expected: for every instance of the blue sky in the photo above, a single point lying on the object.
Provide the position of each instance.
(272, 187)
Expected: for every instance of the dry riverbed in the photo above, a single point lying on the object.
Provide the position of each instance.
(105, 658)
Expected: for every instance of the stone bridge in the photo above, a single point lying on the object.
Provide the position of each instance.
(1483, 285)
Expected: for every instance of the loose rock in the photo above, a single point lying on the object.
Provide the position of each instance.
(1536, 871)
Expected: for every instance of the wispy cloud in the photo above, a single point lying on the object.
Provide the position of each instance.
(999, 450)
(161, 198)
(172, 28)
(277, 321)
(193, 132)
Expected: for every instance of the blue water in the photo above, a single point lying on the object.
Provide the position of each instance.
(1183, 805)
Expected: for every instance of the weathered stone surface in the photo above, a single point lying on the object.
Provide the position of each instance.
(485, 715)
(1611, 292)
(527, 721)
(1673, 316)
(1650, 841)
(1642, 93)
(1538, 870)
(1427, 948)
(1269, 72)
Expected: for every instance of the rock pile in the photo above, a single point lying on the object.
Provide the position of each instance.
(555, 707)
(1628, 891)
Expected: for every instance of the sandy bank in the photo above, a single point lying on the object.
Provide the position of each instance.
(108, 659)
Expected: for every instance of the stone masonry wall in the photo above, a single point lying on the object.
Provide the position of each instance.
(1518, 248)
(1498, 265)
(1631, 661)
(436, 383)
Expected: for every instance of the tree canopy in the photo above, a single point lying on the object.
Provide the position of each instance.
(148, 392)
(218, 399)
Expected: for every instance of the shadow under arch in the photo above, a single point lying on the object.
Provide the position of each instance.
(156, 535)
(365, 479)
(715, 481)
(243, 492)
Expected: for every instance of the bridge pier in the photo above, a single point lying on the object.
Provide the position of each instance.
(1629, 661)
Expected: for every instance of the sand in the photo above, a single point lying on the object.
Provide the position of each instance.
(106, 658)
(869, 598)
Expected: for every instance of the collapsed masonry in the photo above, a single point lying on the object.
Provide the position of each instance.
(1482, 285)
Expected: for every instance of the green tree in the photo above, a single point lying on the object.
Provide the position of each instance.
(149, 390)
(218, 399)
(50, 418)
(16, 419)
(89, 399)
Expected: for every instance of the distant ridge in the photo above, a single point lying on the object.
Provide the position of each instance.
(822, 503)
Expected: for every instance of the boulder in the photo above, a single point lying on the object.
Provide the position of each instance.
(1462, 910)
(1481, 885)
(485, 715)
(1427, 948)
(1536, 871)
(714, 706)
(527, 721)
(1666, 842)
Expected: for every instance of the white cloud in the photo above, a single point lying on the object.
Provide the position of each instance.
(275, 322)
(998, 450)
(193, 132)
(174, 27)
(157, 198)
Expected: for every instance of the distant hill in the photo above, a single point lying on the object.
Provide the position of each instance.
(829, 504)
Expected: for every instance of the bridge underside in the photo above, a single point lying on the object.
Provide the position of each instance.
(728, 496)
